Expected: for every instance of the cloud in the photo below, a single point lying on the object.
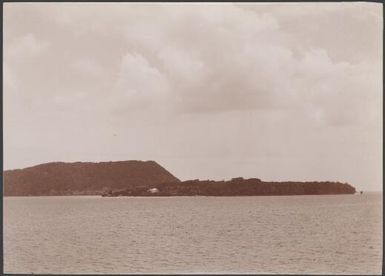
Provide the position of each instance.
(27, 46)
(216, 59)
(139, 83)
(87, 68)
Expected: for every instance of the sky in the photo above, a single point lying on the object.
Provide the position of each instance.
(283, 91)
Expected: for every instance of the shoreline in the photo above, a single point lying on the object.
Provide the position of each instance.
(176, 196)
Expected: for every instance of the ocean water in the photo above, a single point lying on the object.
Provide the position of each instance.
(329, 234)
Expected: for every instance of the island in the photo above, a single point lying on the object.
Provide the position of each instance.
(146, 178)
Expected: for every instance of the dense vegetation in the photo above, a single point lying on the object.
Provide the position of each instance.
(139, 178)
(238, 187)
(83, 178)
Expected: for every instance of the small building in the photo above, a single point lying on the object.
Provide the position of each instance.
(153, 190)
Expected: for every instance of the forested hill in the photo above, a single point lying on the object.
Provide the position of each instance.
(61, 178)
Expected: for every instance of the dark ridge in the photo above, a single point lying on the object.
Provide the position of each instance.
(83, 178)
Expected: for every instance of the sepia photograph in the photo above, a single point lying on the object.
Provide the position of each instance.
(193, 138)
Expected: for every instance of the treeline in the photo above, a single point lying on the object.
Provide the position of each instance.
(238, 187)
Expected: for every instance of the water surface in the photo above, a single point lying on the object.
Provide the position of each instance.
(338, 234)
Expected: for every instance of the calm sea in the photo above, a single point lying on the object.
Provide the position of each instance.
(277, 234)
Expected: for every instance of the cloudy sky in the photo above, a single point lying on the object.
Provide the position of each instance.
(211, 91)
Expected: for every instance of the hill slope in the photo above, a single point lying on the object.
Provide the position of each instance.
(61, 178)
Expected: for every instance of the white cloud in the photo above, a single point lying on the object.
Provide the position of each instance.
(139, 83)
(27, 46)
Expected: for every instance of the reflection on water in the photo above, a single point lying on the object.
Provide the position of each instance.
(273, 234)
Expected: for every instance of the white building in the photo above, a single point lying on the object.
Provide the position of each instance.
(153, 190)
